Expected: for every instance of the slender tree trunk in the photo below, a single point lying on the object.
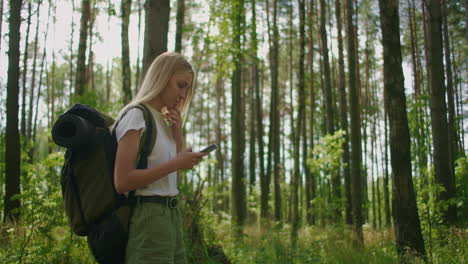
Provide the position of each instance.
(1, 20)
(452, 134)
(388, 222)
(373, 177)
(25, 67)
(90, 80)
(458, 96)
(71, 61)
(126, 72)
(138, 61)
(300, 119)
(274, 124)
(292, 136)
(311, 185)
(405, 212)
(41, 73)
(264, 182)
(444, 174)
(179, 25)
(343, 116)
(239, 209)
(157, 13)
(80, 81)
(355, 127)
(419, 101)
(12, 147)
(33, 81)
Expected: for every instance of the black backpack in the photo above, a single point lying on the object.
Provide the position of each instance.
(92, 205)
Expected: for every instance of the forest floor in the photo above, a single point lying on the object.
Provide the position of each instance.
(335, 245)
(31, 244)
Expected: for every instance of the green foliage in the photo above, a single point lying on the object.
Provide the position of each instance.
(42, 235)
(324, 163)
(461, 175)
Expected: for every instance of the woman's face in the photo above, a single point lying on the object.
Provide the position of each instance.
(177, 89)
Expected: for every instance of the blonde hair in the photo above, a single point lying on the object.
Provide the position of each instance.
(157, 77)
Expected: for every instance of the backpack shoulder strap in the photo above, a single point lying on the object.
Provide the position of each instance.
(149, 135)
(148, 138)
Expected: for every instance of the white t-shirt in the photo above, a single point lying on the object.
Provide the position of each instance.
(164, 150)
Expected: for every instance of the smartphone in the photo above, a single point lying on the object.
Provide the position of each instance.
(209, 148)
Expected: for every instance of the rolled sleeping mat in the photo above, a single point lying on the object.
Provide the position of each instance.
(72, 131)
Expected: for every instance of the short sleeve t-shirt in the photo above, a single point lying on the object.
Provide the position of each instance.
(164, 150)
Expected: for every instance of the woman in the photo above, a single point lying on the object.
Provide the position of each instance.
(155, 232)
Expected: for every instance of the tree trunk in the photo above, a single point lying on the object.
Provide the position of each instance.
(444, 174)
(33, 82)
(157, 13)
(310, 181)
(1, 20)
(239, 209)
(71, 61)
(388, 222)
(299, 126)
(452, 134)
(405, 212)
(264, 181)
(419, 101)
(179, 25)
(343, 116)
(219, 138)
(253, 115)
(274, 121)
(80, 81)
(41, 73)
(12, 147)
(355, 126)
(126, 72)
(138, 61)
(292, 136)
(90, 79)
(25, 67)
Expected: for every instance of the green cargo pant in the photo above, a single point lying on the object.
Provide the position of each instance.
(155, 235)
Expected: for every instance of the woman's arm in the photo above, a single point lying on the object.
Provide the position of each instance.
(126, 176)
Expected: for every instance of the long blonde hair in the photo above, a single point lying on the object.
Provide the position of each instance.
(157, 77)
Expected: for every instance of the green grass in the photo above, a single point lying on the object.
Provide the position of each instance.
(333, 245)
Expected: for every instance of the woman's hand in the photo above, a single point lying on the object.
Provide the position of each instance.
(174, 117)
(186, 159)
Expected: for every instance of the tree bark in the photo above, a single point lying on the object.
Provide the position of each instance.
(90, 79)
(25, 67)
(33, 82)
(310, 181)
(80, 80)
(138, 61)
(157, 13)
(12, 147)
(179, 25)
(41, 73)
(452, 134)
(274, 137)
(343, 116)
(239, 208)
(126, 72)
(71, 61)
(1, 20)
(388, 215)
(444, 174)
(405, 212)
(355, 126)
(299, 126)
(264, 181)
